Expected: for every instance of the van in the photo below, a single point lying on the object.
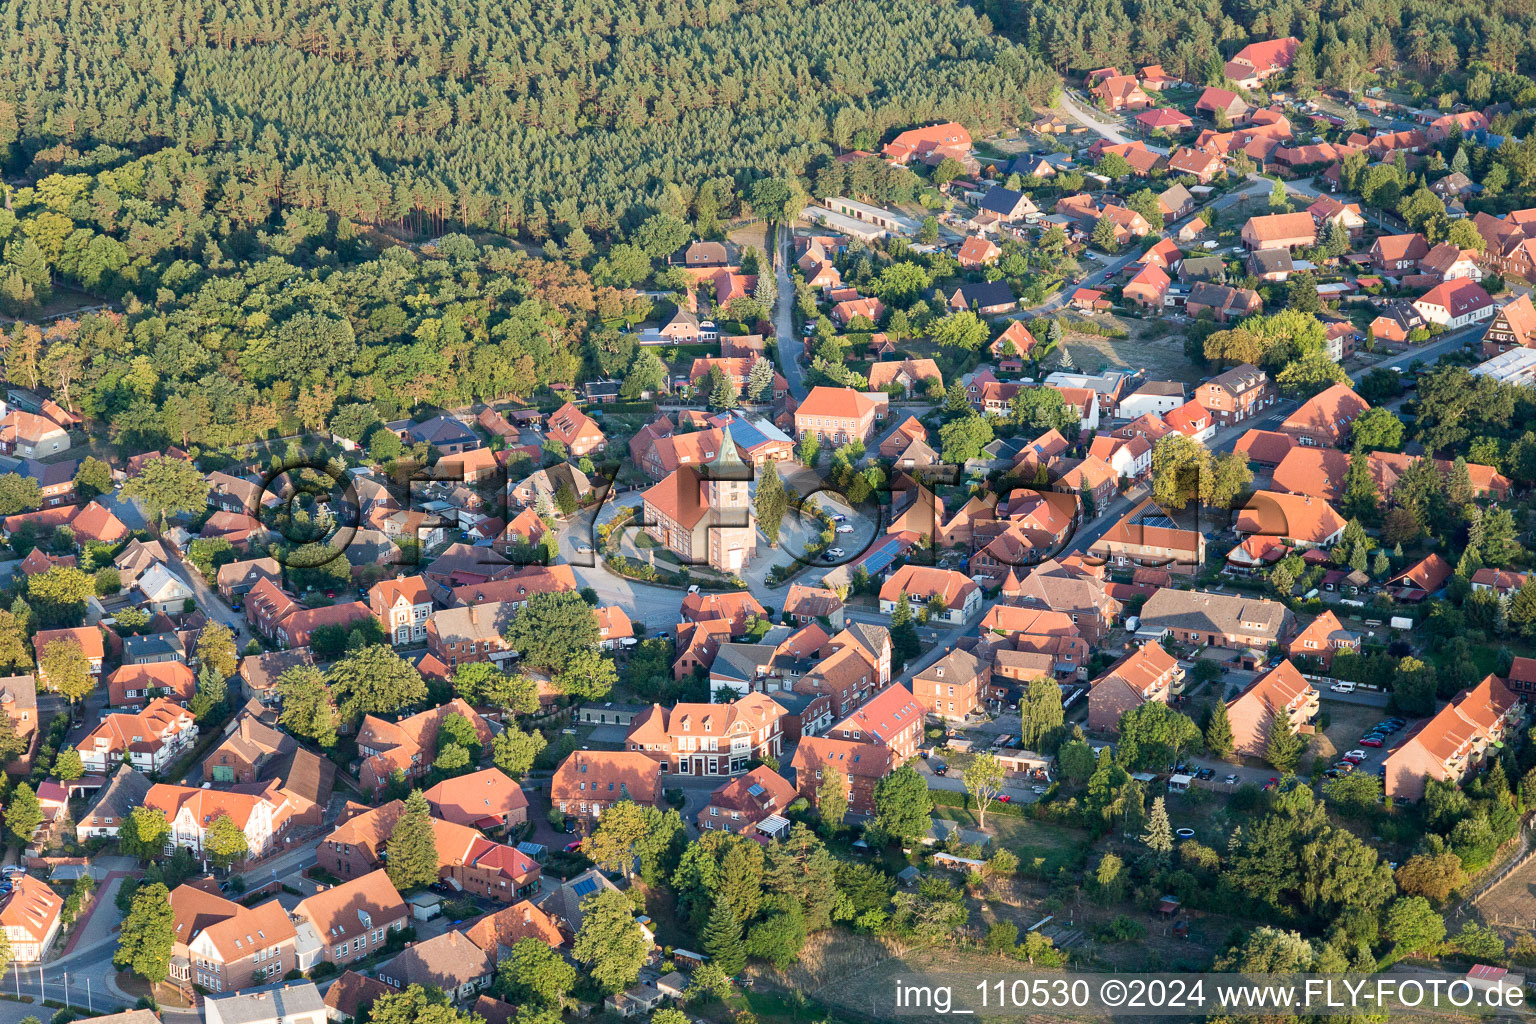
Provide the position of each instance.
(1343, 686)
(1133, 623)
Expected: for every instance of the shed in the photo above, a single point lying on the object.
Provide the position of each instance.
(1179, 783)
(909, 876)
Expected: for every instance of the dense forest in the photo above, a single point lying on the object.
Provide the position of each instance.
(531, 117)
(1472, 50)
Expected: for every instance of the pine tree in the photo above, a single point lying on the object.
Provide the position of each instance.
(1282, 747)
(904, 641)
(760, 380)
(771, 503)
(722, 389)
(1066, 363)
(1159, 834)
(1218, 731)
(412, 846)
(723, 939)
(1460, 163)
(1104, 236)
(1358, 558)
(832, 797)
(1381, 565)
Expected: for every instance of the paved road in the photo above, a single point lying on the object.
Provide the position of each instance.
(790, 348)
(657, 607)
(1077, 112)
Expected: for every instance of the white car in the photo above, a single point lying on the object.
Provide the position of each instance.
(1343, 686)
(845, 529)
(835, 552)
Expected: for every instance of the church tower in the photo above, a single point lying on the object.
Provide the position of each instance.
(726, 485)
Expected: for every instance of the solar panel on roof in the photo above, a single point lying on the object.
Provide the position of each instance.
(755, 790)
(585, 887)
(1159, 520)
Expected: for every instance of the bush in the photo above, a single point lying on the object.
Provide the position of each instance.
(323, 969)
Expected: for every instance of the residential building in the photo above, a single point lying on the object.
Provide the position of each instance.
(486, 799)
(353, 920)
(449, 961)
(1324, 420)
(949, 139)
(1396, 255)
(236, 579)
(576, 430)
(446, 434)
(463, 635)
(988, 298)
(1218, 103)
(709, 739)
(1148, 673)
(1323, 637)
(1280, 231)
(1148, 536)
(952, 687)
(955, 595)
(469, 861)
(150, 740)
(893, 718)
(87, 638)
(861, 766)
(408, 746)
(1237, 394)
(1223, 302)
(1257, 62)
(31, 916)
(134, 686)
(250, 743)
(29, 436)
(753, 803)
(1455, 303)
(402, 607)
(1280, 691)
(356, 846)
(124, 791)
(1121, 92)
(805, 604)
(220, 946)
(498, 932)
(191, 811)
(590, 781)
(1456, 742)
(908, 374)
(291, 1002)
(1219, 620)
(1514, 326)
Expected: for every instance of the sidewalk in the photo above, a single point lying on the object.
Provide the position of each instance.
(98, 925)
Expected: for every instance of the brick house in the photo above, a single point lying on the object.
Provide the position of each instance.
(1323, 637)
(1148, 673)
(220, 946)
(862, 765)
(1455, 303)
(134, 686)
(461, 636)
(1398, 254)
(1237, 394)
(486, 799)
(709, 739)
(590, 781)
(576, 430)
(1280, 231)
(87, 638)
(1514, 326)
(1455, 743)
(1148, 536)
(956, 594)
(952, 687)
(409, 745)
(745, 804)
(1323, 421)
(354, 919)
(1281, 690)
(356, 845)
(1220, 620)
(893, 718)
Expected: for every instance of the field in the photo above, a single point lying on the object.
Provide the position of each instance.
(1155, 346)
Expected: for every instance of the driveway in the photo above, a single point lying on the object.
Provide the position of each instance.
(657, 607)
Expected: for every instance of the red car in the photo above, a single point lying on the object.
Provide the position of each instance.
(1371, 741)
(1272, 783)
(1005, 799)
(573, 847)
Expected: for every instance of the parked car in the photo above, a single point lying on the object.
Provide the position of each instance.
(1271, 784)
(1206, 773)
(1371, 741)
(1231, 780)
(845, 528)
(1345, 767)
(835, 552)
(940, 768)
(1005, 799)
(1356, 756)
(1343, 686)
